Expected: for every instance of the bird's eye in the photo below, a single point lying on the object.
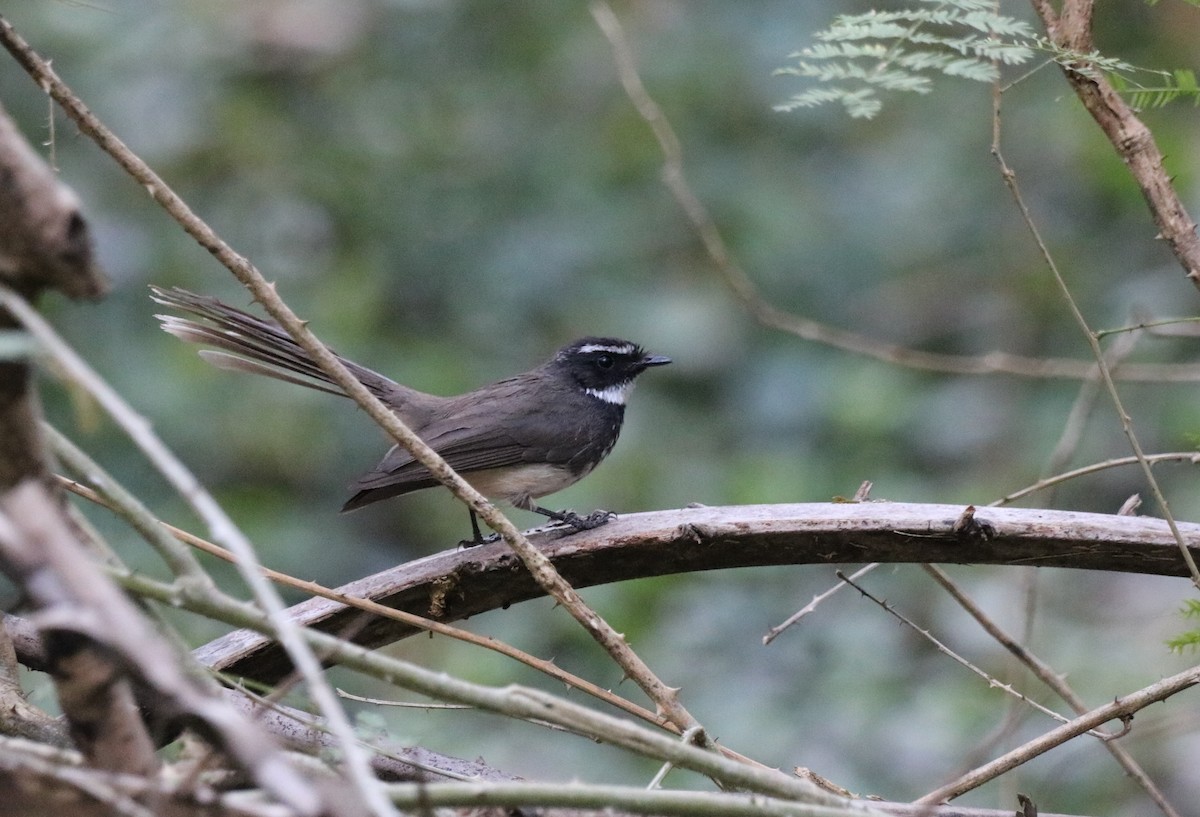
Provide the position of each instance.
(605, 361)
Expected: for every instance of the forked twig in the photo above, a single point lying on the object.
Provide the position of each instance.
(1120, 708)
(945, 650)
(1046, 674)
(1010, 180)
(742, 286)
(666, 698)
(366, 605)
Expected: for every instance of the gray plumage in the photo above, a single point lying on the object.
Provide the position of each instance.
(517, 439)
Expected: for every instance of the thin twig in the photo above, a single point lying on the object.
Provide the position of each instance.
(178, 557)
(666, 698)
(549, 668)
(1010, 180)
(1120, 708)
(1085, 402)
(1174, 456)
(1042, 484)
(775, 631)
(222, 527)
(945, 650)
(740, 283)
(1046, 674)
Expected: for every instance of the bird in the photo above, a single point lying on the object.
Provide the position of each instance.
(517, 439)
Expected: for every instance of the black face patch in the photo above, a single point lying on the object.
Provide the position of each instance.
(605, 367)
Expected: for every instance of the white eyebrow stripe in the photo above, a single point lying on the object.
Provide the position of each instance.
(623, 349)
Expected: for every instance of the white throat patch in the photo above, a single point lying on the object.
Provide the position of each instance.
(617, 395)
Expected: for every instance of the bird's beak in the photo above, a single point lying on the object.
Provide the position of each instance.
(655, 360)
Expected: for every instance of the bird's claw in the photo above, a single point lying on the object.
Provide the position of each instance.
(593, 520)
(483, 540)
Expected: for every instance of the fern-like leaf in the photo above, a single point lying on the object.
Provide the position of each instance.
(861, 55)
(1191, 638)
(1184, 641)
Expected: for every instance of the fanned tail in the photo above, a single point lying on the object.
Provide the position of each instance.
(257, 346)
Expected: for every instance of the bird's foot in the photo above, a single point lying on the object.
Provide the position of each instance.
(593, 520)
(483, 540)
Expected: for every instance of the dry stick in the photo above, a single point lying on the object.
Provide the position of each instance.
(1010, 181)
(665, 698)
(1042, 484)
(307, 733)
(182, 563)
(115, 498)
(1085, 401)
(555, 798)
(512, 700)
(945, 650)
(1046, 674)
(110, 502)
(1173, 456)
(1120, 708)
(1069, 438)
(775, 631)
(1072, 433)
(1071, 30)
(1082, 408)
(766, 314)
(222, 527)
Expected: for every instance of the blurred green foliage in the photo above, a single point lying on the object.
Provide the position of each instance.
(450, 190)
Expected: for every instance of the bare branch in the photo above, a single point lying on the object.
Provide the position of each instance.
(97, 645)
(1105, 373)
(742, 286)
(394, 763)
(665, 697)
(1120, 708)
(944, 649)
(468, 582)
(38, 780)
(1055, 681)
(1071, 30)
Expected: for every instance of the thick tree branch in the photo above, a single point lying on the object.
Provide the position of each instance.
(456, 584)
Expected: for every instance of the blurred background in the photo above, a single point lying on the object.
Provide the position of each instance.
(449, 190)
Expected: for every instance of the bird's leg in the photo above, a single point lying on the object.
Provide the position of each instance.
(593, 520)
(478, 540)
